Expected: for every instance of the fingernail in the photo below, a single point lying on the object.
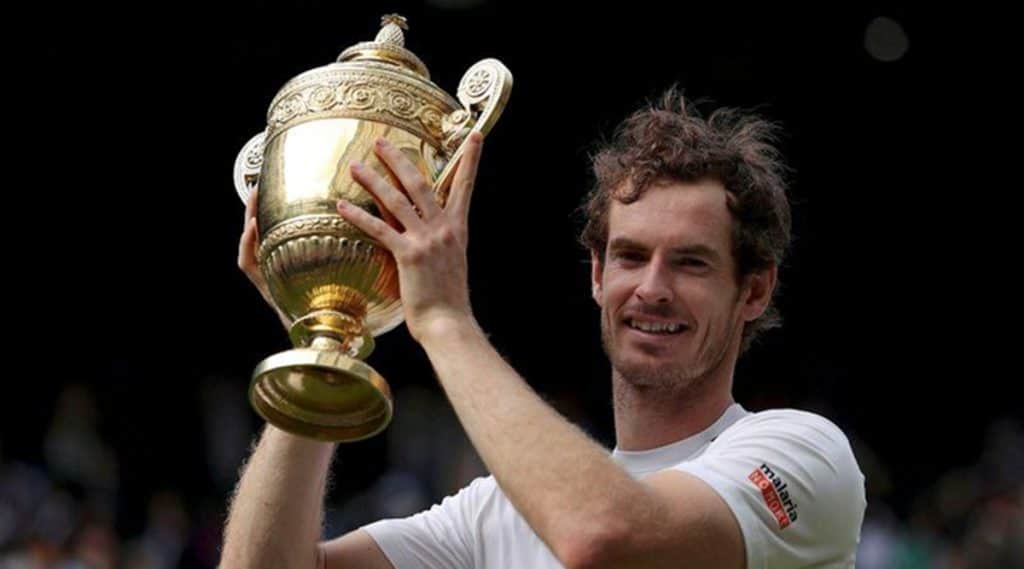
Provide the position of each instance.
(356, 165)
(382, 143)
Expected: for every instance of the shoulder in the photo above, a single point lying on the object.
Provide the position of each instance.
(793, 429)
(792, 481)
(788, 418)
(445, 535)
(474, 495)
(801, 443)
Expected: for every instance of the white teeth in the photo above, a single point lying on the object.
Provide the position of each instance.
(655, 327)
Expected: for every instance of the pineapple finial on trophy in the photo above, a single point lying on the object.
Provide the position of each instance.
(391, 29)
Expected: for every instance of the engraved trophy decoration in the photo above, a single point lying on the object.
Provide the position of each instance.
(340, 287)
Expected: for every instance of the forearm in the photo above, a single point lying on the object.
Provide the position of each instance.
(276, 514)
(565, 485)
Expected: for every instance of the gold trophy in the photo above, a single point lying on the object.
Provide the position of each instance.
(339, 286)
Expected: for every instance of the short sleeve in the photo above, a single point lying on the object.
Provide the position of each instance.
(441, 537)
(794, 486)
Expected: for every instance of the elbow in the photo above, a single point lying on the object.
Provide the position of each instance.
(581, 554)
(599, 548)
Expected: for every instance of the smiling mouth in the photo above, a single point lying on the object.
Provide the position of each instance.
(656, 328)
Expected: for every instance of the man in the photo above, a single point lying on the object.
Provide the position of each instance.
(687, 226)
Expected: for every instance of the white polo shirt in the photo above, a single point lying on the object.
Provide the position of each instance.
(788, 476)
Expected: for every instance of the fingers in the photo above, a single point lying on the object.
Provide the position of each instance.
(247, 247)
(465, 177)
(249, 242)
(371, 225)
(391, 199)
(251, 204)
(420, 191)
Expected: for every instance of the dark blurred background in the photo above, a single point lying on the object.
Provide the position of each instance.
(125, 418)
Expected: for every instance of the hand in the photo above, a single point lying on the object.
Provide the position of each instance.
(429, 246)
(247, 247)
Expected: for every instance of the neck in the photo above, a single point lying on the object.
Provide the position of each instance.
(647, 417)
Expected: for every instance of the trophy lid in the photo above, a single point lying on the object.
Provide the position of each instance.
(388, 47)
(378, 80)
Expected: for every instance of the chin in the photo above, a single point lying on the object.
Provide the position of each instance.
(653, 372)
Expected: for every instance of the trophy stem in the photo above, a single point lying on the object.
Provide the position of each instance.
(333, 330)
(327, 343)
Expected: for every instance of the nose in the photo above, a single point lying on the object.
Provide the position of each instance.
(655, 285)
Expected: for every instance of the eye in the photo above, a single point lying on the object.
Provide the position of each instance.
(628, 257)
(692, 262)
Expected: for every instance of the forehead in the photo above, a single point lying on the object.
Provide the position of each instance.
(675, 212)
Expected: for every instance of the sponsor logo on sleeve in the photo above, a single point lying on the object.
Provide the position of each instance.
(776, 494)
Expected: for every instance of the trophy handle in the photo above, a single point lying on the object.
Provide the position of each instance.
(247, 166)
(483, 92)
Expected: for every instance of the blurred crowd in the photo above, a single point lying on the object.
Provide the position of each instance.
(63, 511)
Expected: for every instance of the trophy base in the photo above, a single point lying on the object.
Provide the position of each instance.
(321, 394)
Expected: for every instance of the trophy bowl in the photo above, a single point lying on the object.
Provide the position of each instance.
(337, 285)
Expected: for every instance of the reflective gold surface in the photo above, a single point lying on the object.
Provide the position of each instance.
(339, 286)
(311, 257)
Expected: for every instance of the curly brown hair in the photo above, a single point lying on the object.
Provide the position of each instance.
(670, 140)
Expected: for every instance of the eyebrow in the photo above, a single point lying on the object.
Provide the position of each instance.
(698, 249)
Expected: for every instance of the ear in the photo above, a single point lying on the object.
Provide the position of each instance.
(758, 289)
(595, 277)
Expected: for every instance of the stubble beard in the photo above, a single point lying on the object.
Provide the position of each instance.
(675, 378)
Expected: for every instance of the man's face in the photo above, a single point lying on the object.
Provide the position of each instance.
(671, 310)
